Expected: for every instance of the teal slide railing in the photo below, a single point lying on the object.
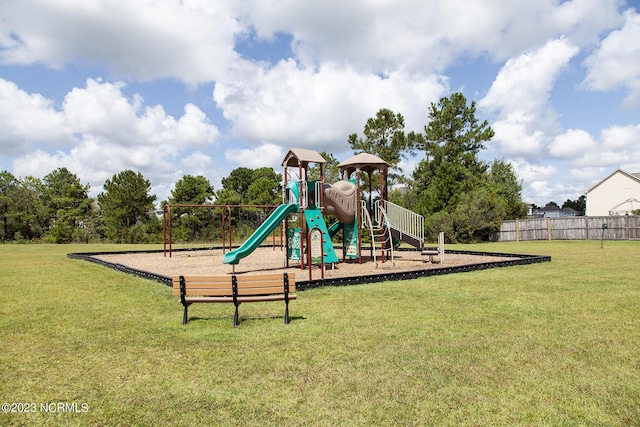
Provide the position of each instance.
(252, 243)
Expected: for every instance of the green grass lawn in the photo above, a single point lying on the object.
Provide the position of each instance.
(546, 344)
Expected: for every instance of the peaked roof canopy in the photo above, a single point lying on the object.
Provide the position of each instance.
(364, 162)
(302, 157)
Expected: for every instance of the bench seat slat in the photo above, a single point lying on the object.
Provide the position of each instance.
(208, 292)
(258, 298)
(191, 300)
(254, 298)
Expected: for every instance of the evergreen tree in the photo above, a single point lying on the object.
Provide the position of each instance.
(330, 169)
(503, 181)
(126, 207)
(8, 189)
(68, 201)
(196, 190)
(261, 186)
(384, 137)
(451, 144)
(191, 190)
(579, 205)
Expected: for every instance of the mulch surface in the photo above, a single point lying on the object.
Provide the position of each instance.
(209, 262)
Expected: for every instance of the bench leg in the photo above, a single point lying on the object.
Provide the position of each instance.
(236, 321)
(286, 314)
(184, 316)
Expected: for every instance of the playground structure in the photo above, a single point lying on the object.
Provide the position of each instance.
(306, 203)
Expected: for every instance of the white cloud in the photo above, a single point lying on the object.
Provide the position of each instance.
(265, 155)
(621, 138)
(514, 139)
(190, 40)
(194, 40)
(520, 98)
(571, 144)
(114, 133)
(304, 107)
(28, 119)
(616, 64)
(617, 148)
(422, 36)
(533, 172)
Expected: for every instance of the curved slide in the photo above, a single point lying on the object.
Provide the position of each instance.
(335, 228)
(340, 201)
(252, 243)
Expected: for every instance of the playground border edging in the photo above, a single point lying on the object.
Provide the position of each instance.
(303, 285)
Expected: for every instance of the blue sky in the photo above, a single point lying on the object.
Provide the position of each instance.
(199, 87)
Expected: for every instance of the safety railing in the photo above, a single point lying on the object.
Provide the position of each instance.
(403, 220)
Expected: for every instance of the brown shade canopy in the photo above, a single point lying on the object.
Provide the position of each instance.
(302, 157)
(364, 162)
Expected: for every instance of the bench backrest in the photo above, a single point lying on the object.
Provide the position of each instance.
(265, 284)
(204, 285)
(259, 284)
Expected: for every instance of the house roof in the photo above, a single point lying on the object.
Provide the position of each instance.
(633, 176)
(549, 208)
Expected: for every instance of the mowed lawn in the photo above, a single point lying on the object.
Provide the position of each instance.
(547, 344)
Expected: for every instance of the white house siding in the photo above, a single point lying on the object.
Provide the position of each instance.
(612, 191)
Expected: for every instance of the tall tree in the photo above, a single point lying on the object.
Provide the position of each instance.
(238, 181)
(125, 202)
(503, 181)
(263, 191)
(33, 217)
(69, 202)
(248, 186)
(8, 188)
(190, 189)
(451, 143)
(330, 170)
(384, 137)
(579, 205)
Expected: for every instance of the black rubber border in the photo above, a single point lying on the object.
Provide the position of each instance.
(301, 285)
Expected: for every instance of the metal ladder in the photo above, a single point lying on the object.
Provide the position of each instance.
(379, 230)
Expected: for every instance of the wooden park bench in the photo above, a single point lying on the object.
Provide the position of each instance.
(235, 289)
(439, 251)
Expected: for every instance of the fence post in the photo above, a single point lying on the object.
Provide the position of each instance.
(548, 228)
(517, 230)
(586, 225)
(626, 227)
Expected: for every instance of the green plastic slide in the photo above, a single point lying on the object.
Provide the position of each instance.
(252, 243)
(335, 228)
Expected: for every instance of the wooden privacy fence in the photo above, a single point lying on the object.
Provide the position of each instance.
(573, 228)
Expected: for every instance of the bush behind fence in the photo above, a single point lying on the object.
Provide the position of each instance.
(573, 228)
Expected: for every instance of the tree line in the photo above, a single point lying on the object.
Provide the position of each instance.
(456, 192)
(58, 208)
